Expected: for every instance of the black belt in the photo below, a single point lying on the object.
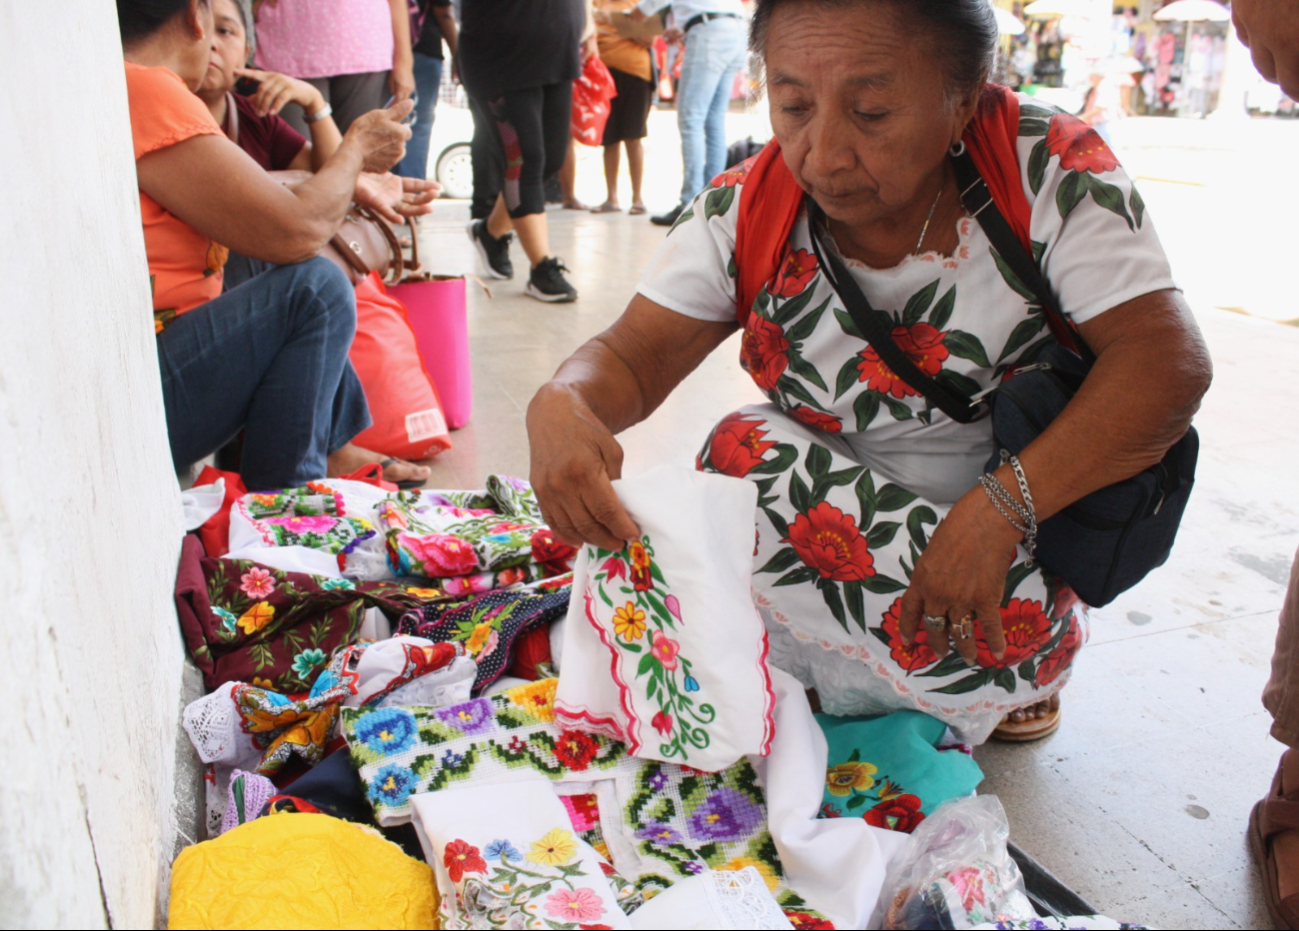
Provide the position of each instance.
(694, 21)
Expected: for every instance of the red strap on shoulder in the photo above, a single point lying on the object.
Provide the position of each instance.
(993, 140)
(770, 199)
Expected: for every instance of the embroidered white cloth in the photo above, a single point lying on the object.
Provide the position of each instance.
(663, 648)
(200, 502)
(388, 662)
(512, 860)
(730, 900)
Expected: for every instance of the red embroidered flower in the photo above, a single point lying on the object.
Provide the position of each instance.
(826, 423)
(738, 445)
(662, 723)
(614, 568)
(575, 750)
(1080, 147)
(901, 813)
(460, 858)
(642, 579)
(796, 271)
(917, 656)
(1059, 659)
(735, 175)
(1026, 627)
(762, 351)
(829, 541)
(804, 921)
(923, 345)
(554, 555)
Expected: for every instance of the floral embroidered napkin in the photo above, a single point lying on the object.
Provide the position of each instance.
(663, 647)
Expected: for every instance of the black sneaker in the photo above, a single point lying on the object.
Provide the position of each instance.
(547, 282)
(669, 218)
(494, 252)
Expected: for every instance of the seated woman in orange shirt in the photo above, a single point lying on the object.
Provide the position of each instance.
(268, 357)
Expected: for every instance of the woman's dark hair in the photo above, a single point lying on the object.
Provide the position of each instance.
(964, 32)
(139, 19)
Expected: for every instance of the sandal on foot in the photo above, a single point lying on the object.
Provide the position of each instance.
(1027, 731)
(1272, 816)
(407, 484)
(639, 210)
(606, 208)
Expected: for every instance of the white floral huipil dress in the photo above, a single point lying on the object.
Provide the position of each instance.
(855, 470)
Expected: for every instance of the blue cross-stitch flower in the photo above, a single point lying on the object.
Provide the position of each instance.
(392, 785)
(387, 730)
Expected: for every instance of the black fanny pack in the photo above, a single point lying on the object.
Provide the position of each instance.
(1105, 543)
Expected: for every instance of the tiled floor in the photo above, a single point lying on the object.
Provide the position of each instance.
(1140, 801)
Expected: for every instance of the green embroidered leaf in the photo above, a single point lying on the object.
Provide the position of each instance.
(880, 635)
(1036, 111)
(765, 485)
(778, 522)
(800, 496)
(1012, 279)
(784, 313)
(967, 346)
(806, 370)
(731, 268)
(833, 601)
(807, 326)
(962, 385)
(942, 312)
(949, 665)
(1028, 670)
(1039, 250)
(1071, 192)
(1006, 680)
(848, 377)
(1138, 205)
(1014, 579)
(893, 498)
(883, 585)
(818, 461)
(718, 202)
(1022, 335)
(781, 562)
(1110, 197)
(631, 647)
(647, 662)
(855, 756)
(917, 520)
(822, 486)
(899, 410)
(964, 686)
(847, 324)
(1034, 127)
(866, 495)
(856, 603)
(919, 304)
(1037, 163)
(882, 534)
(786, 456)
(762, 303)
(867, 408)
(799, 577)
(857, 801)
(794, 389)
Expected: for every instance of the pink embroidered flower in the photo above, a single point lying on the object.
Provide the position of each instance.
(665, 650)
(304, 524)
(575, 905)
(662, 723)
(508, 577)
(394, 516)
(468, 585)
(614, 568)
(442, 554)
(510, 527)
(583, 810)
(673, 605)
(256, 583)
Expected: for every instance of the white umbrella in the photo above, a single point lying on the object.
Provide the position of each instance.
(1193, 11)
(1008, 24)
(1049, 8)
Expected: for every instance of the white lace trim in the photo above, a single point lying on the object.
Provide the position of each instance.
(212, 723)
(740, 900)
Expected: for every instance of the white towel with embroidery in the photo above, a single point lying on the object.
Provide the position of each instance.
(510, 859)
(663, 648)
(731, 900)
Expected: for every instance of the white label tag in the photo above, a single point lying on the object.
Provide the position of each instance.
(424, 425)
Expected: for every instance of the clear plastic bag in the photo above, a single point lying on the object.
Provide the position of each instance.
(957, 872)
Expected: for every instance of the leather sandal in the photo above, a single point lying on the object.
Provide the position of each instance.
(1026, 731)
(1272, 816)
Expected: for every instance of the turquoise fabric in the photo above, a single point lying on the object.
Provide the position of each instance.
(889, 771)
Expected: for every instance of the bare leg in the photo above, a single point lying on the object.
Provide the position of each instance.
(533, 236)
(499, 222)
(568, 180)
(612, 162)
(636, 168)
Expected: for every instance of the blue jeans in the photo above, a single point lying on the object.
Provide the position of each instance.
(714, 55)
(428, 78)
(268, 357)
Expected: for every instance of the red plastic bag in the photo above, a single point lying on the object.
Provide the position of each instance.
(408, 418)
(591, 95)
(215, 534)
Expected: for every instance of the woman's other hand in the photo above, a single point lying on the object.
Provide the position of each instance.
(401, 80)
(962, 573)
(1271, 30)
(274, 91)
(395, 198)
(574, 460)
(381, 136)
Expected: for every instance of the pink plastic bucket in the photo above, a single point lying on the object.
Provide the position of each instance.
(439, 318)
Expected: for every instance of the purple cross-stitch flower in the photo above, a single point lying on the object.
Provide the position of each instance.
(726, 815)
(471, 718)
(694, 867)
(657, 780)
(659, 834)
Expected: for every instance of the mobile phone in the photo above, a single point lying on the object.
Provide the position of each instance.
(246, 87)
(409, 119)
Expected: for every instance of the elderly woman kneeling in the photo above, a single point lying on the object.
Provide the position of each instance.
(884, 570)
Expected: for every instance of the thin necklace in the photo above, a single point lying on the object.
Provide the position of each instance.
(929, 219)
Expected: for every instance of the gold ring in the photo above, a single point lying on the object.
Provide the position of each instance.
(964, 628)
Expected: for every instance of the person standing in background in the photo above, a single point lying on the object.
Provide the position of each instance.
(437, 22)
(357, 53)
(716, 43)
(632, 68)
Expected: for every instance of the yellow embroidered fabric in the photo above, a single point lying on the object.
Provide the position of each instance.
(300, 871)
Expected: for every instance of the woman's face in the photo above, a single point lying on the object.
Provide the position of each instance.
(198, 50)
(860, 107)
(229, 48)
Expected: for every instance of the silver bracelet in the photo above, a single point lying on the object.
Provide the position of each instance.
(1011, 509)
(319, 115)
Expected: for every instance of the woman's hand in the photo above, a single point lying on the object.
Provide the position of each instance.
(590, 48)
(381, 136)
(274, 91)
(962, 573)
(395, 198)
(1271, 30)
(574, 459)
(401, 80)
